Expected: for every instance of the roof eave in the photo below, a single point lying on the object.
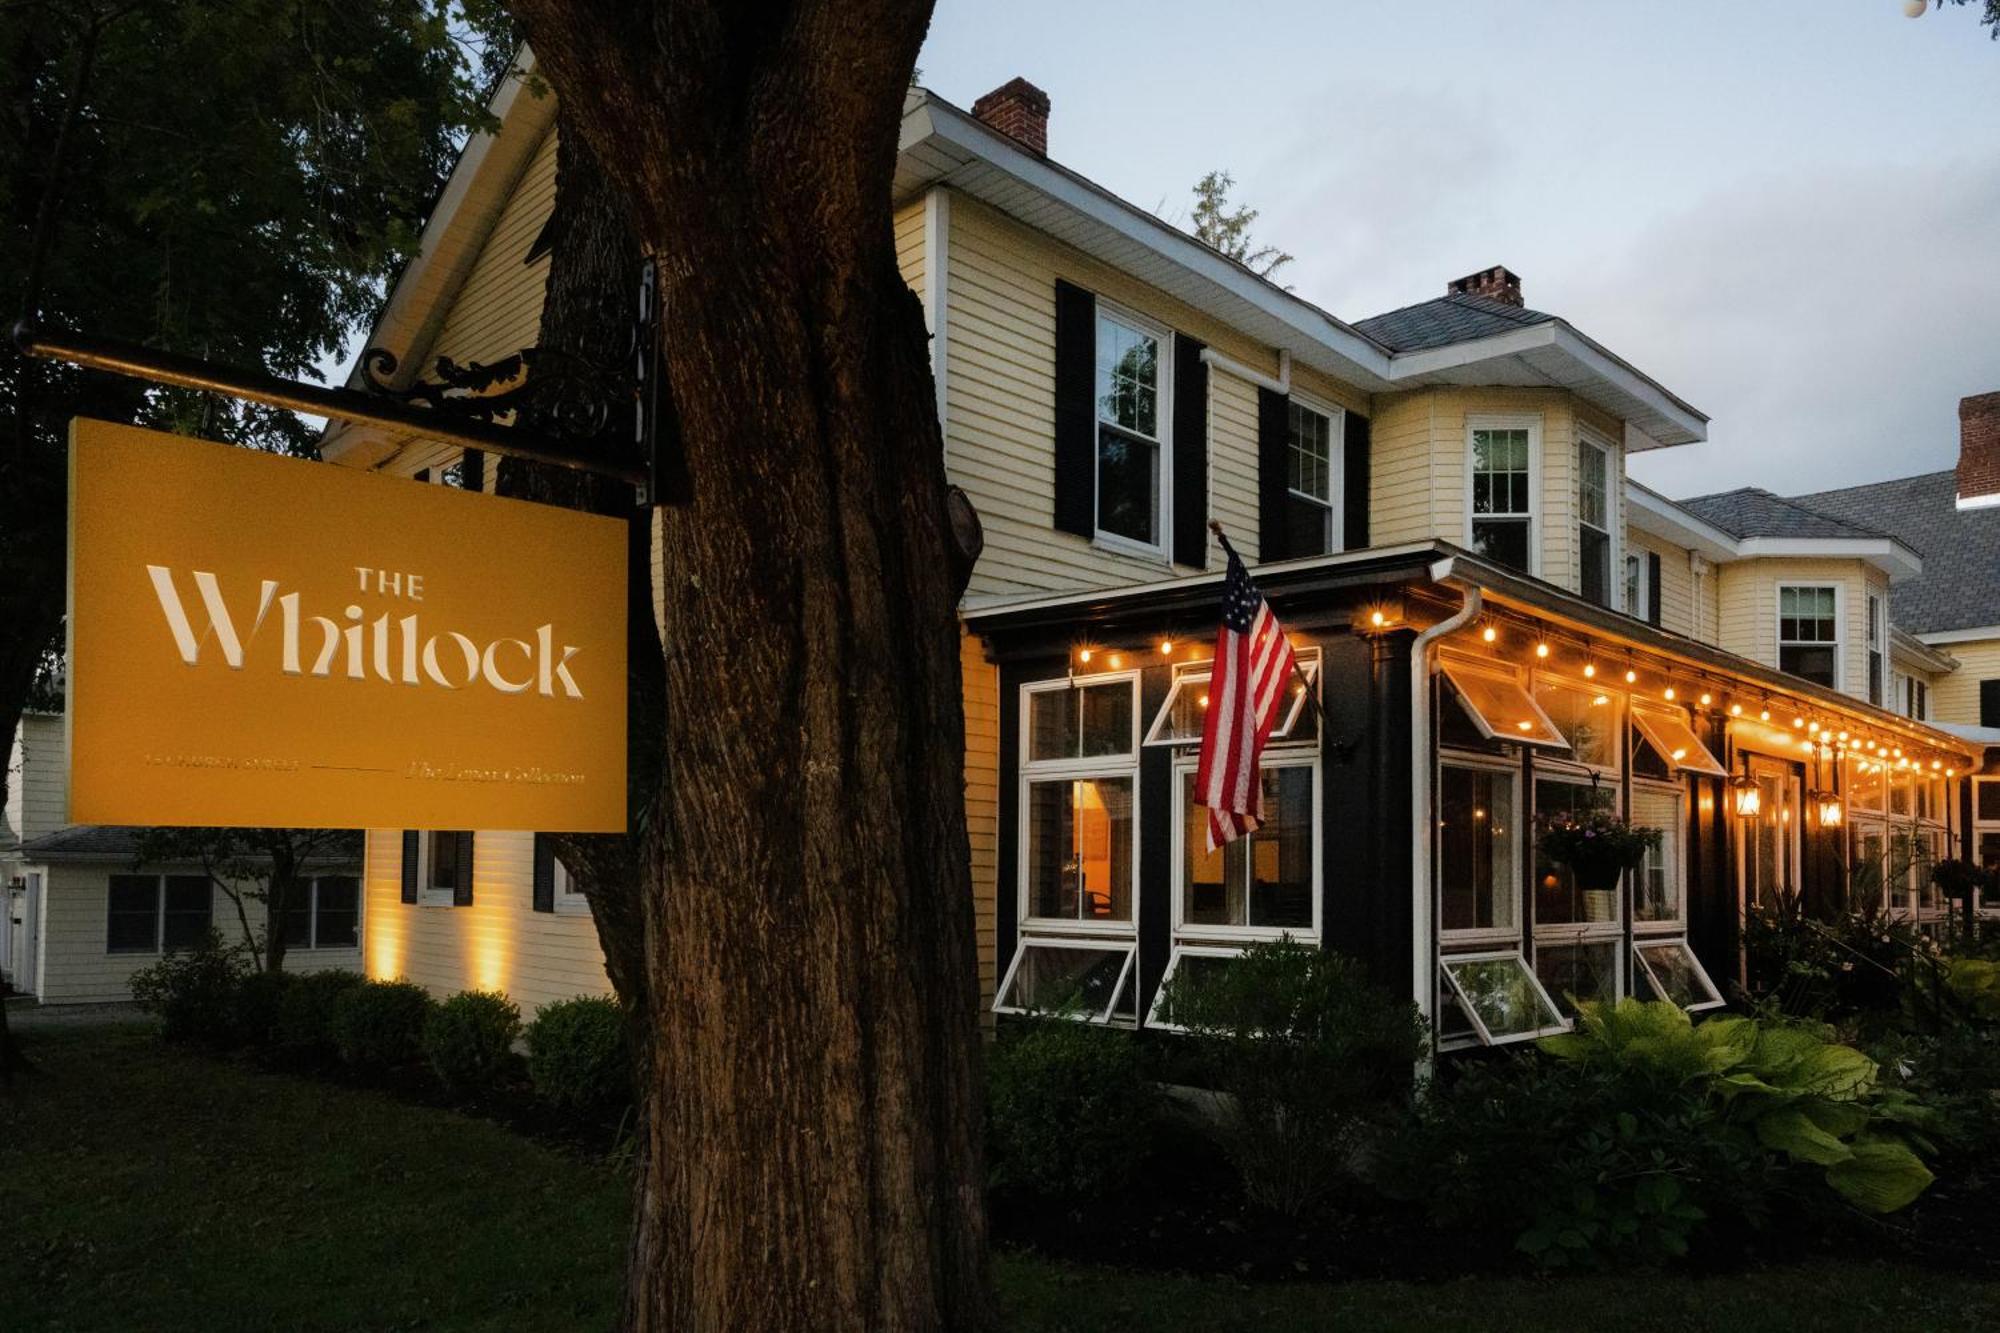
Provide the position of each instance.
(1887, 554)
(1653, 513)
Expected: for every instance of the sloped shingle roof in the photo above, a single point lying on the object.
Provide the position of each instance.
(1753, 512)
(108, 842)
(1960, 585)
(1457, 318)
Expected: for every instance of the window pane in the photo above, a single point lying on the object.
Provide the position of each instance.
(444, 861)
(1591, 719)
(1503, 994)
(1577, 972)
(1479, 861)
(1058, 980)
(1503, 541)
(1988, 850)
(1128, 377)
(1080, 849)
(1308, 527)
(1085, 722)
(1814, 664)
(1635, 586)
(1595, 549)
(1264, 879)
(339, 912)
(1592, 501)
(1214, 880)
(1128, 486)
(1865, 786)
(1310, 454)
(1180, 717)
(1656, 888)
(189, 901)
(1558, 898)
(1496, 698)
(298, 917)
(134, 921)
(1671, 973)
(1988, 790)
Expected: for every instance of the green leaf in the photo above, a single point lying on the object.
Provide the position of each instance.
(1789, 1130)
(1881, 1176)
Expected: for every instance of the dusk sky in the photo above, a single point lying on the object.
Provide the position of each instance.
(1787, 211)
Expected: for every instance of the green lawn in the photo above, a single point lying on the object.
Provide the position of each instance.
(147, 1188)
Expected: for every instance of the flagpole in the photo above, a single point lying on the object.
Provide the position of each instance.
(1305, 681)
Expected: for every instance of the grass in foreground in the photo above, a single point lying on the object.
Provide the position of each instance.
(147, 1188)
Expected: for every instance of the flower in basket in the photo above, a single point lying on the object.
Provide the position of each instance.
(1957, 879)
(1596, 845)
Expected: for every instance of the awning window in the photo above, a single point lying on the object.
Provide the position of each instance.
(1179, 720)
(1674, 740)
(1500, 705)
(1670, 969)
(1090, 981)
(1197, 962)
(1500, 993)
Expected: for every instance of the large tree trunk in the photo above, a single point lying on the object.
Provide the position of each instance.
(813, 1143)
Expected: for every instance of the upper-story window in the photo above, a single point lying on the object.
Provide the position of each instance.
(1809, 632)
(1312, 500)
(1593, 522)
(1639, 592)
(1502, 519)
(1131, 438)
(1875, 637)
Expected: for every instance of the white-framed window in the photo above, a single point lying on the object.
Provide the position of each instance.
(1579, 928)
(1480, 832)
(324, 913)
(1264, 884)
(1639, 592)
(1593, 521)
(1179, 720)
(157, 913)
(568, 899)
(1093, 981)
(1592, 719)
(1497, 998)
(1492, 696)
(1679, 749)
(1503, 485)
(1313, 466)
(1666, 969)
(1876, 638)
(1986, 831)
(1809, 632)
(1194, 961)
(1134, 389)
(1659, 885)
(438, 870)
(1079, 796)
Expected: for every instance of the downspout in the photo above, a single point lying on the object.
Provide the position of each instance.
(1282, 384)
(1423, 821)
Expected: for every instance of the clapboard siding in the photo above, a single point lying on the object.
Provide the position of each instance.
(498, 943)
(909, 224)
(36, 800)
(499, 310)
(981, 686)
(1955, 697)
(76, 966)
(1676, 591)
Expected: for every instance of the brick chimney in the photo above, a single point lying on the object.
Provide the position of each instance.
(1979, 451)
(1019, 110)
(1495, 284)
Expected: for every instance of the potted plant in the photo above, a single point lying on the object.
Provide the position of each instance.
(1958, 878)
(1598, 847)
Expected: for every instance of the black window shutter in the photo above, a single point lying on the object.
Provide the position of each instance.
(472, 471)
(1356, 451)
(1076, 410)
(1652, 587)
(410, 837)
(1190, 453)
(461, 892)
(1274, 438)
(1989, 703)
(545, 875)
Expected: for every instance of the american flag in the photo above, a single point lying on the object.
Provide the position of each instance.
(1246, 688)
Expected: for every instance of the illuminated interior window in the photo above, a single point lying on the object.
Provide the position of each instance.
(1090, 982)
(1669, 971)
(1499, 995)
(1674, 741)
(1500, 706)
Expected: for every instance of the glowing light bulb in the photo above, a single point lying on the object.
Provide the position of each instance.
(1166, 647)
(1378, 620)
(1084, 655)
(1541, 650)
(1764, 716)
(1707, 699)
(1116, 661)
(1489, 634)
(1631, 677)
(1736, 710)
(1798, 722)
(1669, 694)
(1589, 670)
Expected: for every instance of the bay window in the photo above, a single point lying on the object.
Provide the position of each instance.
(1593, 522)
(1809, 633)
(1501, 472)
(1132, 479)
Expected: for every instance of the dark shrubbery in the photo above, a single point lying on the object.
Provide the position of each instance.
(377, 1025)
(1069, 1109)
(577, 1055)
(194, 992)
(469, 1041)
(304, 1029)
(1310, 1057)
(260, 998)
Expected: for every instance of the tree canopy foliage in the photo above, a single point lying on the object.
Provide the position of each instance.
(1227, 229)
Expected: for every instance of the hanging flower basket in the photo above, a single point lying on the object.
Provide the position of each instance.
(1597, 847)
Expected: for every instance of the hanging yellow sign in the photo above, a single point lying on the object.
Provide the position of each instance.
(265, 641)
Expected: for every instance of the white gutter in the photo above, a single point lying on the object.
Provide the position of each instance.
(1423, 819)
(1229, 366)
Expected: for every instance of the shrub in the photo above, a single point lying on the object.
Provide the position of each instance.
(1310, 1055)
(379, 1024)
(1070, 1110)
(193, 991)
(577, 1056)
(305, 1012)
(469, 1040)
(260, 1000)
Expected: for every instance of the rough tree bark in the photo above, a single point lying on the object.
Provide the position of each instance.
(587, 321)
(813, 1142)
